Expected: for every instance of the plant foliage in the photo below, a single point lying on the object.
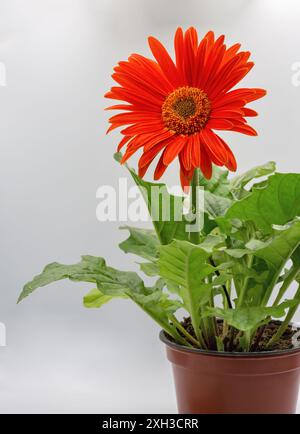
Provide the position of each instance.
(238, 268)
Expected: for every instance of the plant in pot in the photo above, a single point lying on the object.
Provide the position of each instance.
(222, 271)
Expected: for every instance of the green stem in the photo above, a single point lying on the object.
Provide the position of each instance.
(225, 329)
(209, 332)
(247, 337)
(195, 237)
(194, 313)
(217, 272)
(195, 184)
(184, 331)
(270, 288)
(181, 340)
(165, 325)
(214, 319)
(286, 284)
(243, 291)
(284, 325)
(226, 306)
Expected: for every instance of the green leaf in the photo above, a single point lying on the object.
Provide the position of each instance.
(224, 225)
(110, 283)
(157, 303)
(158, 306)
(276, 254)
(211, 242)
(249, 318)
(217, 197)
(238, 183)
(277, 202)
(90, 269)
(141, 242)
(85, 271)
(149, 268)
(95, 299)
(185, 265)
(165, 209)
(216, 206)
(218, 184)
(118, 156)
(238, 253)
(273, 255)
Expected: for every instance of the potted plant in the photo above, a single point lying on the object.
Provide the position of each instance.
(222, 271)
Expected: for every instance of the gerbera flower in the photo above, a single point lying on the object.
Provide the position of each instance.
(174, 108)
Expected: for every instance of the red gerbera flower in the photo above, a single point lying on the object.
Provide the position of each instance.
(173, 109)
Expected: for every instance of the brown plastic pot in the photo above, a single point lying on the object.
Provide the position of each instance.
(232, 383)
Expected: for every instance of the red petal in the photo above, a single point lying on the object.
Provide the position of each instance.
(241, 94)
(258, 93)
(219, 124)
(222, 76)
(214, 147)
(157, 138)
(173, 149)
(231, 163)
(225, 114)
(200, 60)
(141, 87)
(146, 74)
(231, 52)
(235, 77)
(244, 129)
(213, 63)
(123, 142)
(185, 181)
(185, 175)
(186, 154)
(133, 98)
(179, 53)
(160, 168)
(133, 146)
(151, 71)
(191, 46)
(249, 112)
(121, 107)
(196, 150)
(206, 164)
(227, 104)
(151, 154)
(164, 60)
(143, 127)
(132, 118)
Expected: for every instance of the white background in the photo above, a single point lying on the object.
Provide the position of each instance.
(59, 56)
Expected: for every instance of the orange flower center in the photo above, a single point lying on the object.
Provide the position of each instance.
(186, 110)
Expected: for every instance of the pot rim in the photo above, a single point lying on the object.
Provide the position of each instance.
(234, 354)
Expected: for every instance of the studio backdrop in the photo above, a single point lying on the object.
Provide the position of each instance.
(56, 59)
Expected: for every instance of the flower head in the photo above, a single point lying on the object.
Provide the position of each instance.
(174, 108)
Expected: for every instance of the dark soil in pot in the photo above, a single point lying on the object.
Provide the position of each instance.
(258, 382)
(290, 339)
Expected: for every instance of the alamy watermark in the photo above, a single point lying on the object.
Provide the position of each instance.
(2, 335)
(296, 74)
(128, 204)
(2, 74)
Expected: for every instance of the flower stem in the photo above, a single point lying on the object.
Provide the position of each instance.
(195, 184)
